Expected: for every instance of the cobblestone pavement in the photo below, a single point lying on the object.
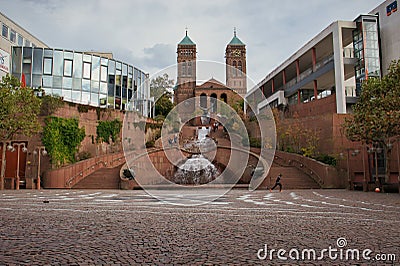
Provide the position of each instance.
(110, 227)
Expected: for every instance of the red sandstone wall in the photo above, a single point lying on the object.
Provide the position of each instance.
(89, 121)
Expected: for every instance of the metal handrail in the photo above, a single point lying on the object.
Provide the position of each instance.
(303, 168)
(90, 167)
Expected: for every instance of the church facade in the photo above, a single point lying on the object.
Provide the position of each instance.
(211, 90)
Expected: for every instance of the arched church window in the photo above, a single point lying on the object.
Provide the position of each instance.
(224, 97)
(213, 103)
(203, 100)
(234, 72)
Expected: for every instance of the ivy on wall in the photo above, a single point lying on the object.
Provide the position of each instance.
(50, 104)
(62, 137)
(107, 130)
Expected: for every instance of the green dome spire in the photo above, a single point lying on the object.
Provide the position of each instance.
(235, 40)
(186, 40)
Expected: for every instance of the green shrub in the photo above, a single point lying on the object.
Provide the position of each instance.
(327, 159)
(255, 142)
(62, 137)
(50, 104)
(108, 129)
(83, 108)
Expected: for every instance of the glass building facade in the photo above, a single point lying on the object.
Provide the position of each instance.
(366, 49)
(83, 78)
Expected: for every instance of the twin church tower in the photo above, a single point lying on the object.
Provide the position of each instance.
(235, 59)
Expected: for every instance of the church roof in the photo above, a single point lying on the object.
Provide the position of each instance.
(186, 41)
(235, 40)
(211, 83)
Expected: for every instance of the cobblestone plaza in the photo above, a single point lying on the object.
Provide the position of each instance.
(112, 227)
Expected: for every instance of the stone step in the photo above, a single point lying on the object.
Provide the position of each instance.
(105, 178)
(292, 178)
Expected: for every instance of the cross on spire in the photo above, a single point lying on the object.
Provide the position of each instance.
(186, 29)
(234, 31)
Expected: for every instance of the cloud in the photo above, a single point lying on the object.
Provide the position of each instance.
(145, 33)
(156, 57)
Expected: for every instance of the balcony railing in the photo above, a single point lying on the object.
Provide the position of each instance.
(348, 52)
(307, 72)
(351, 91)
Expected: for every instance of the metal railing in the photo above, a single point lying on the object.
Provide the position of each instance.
(74, 179)
(301, 167)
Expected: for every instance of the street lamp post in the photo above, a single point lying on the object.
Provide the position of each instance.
(39, 150)
(375, 149)
(11, 147)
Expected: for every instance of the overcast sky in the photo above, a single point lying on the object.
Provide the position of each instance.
(145, 33)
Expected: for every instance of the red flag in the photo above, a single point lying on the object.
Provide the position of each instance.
(23, 81)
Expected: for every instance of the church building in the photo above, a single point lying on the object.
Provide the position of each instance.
(231, 92)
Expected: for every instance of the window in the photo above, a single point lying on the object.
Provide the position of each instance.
(77, 65)
(27, 43)
(20, 40)
(234, 69)
(67, 68)
(203, 100)
(95, 68)
(86, 70)
(13, 36)
(189, 68)
(58, 63)
(37, 65)
(4, 31)
(103, 73)
(48, 65)
(184, 68)
(47, 68)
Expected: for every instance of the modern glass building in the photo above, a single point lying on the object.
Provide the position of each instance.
(83, 78)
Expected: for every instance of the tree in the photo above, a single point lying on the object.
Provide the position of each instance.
(377, 113)
(160, 89)
(160, 85)
(163, 105)
(19, 111)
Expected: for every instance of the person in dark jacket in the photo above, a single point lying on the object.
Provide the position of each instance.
(277, 183)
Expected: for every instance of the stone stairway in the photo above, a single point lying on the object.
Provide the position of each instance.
(104, 178)
(292, 178)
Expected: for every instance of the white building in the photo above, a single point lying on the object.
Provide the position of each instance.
(334, 62)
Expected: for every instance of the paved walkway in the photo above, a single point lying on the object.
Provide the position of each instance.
(110, 227)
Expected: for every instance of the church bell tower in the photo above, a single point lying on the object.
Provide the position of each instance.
(186, 79)
(235, 59)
